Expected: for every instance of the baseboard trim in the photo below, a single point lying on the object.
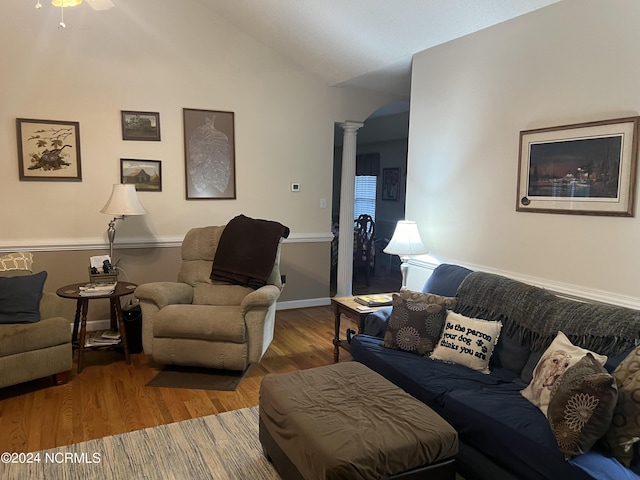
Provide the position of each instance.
(95, 325)
(306, 303)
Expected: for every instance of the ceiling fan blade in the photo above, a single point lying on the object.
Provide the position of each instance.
(100, 4)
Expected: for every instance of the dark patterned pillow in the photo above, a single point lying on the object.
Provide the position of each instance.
(414, 326)
(447, 302)
(624, 430)
(581, 406)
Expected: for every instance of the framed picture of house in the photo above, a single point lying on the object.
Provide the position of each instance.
(145, 174)
(141, 126)
(586, 168)
(390, 181)
(48, 150)
(209, 154)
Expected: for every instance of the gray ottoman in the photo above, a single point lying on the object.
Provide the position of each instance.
(345, 421)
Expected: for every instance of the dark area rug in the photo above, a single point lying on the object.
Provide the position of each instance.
(197, 378)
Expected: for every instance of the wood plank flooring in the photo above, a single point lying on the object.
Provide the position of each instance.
(110, 397)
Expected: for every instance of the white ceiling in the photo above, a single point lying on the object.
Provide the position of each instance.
(360, 43)
(364, 43)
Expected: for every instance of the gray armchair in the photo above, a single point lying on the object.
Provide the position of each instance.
(199, 322)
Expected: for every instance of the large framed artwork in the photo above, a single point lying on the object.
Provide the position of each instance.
(146, 175)
(209, 154)
(140, 126)
(48, 150)
(390, 181)
(586, 168)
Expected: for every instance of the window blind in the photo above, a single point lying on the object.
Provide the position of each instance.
(365, 196)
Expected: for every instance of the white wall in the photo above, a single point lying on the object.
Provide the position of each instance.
(161, 57)
(571, 62)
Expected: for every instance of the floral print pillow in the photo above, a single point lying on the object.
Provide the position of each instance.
(414, 326)
(624, 431)
(581, 406)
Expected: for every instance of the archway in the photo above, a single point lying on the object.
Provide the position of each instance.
(385, 133)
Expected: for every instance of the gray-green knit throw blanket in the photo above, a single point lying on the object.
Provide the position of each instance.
(538, 314)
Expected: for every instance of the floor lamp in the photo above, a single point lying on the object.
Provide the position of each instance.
(405, 241)
(122, 203)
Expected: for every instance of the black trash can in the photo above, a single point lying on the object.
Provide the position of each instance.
(133, 326)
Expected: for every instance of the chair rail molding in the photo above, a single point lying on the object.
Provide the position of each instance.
(97, 243)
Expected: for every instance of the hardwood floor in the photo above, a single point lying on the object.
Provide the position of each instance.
(110, 397)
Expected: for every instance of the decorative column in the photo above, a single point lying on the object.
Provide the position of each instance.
(347, 198)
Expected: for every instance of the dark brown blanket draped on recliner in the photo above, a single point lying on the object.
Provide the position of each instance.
(247, 251)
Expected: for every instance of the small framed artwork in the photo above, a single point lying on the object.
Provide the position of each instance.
(390, 181)
(141, 126)
(209, 154)
(586, 168)
(48, 150)
(145, 174)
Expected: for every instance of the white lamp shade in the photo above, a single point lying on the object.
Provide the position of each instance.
(406, 240)
(123, 201)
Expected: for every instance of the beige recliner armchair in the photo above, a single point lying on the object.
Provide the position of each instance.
(203, 323)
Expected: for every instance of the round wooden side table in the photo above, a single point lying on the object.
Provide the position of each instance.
(82, 305)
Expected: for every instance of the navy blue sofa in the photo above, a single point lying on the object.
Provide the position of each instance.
(502, 435)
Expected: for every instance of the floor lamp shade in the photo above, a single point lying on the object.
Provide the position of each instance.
(122, 202)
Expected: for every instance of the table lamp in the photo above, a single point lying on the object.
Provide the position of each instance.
(122, 202)
(404, 242)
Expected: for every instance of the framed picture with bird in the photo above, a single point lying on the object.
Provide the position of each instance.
(48, 150)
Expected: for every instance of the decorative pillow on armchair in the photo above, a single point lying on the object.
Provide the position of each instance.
(16, 261)
(624, 430)
(414, 326)
(467, 341)
(554, 362)
(20, 298)
(581, 406)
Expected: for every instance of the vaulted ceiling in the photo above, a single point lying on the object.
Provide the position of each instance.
(359, 43)
(364, 43)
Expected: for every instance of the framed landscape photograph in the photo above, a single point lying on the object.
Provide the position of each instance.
(209, 154)
(390, 181)
(145, 174)
(141, 126)
(48, 150)
(586, 168)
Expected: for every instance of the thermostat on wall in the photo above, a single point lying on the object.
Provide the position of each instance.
(295, 187)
